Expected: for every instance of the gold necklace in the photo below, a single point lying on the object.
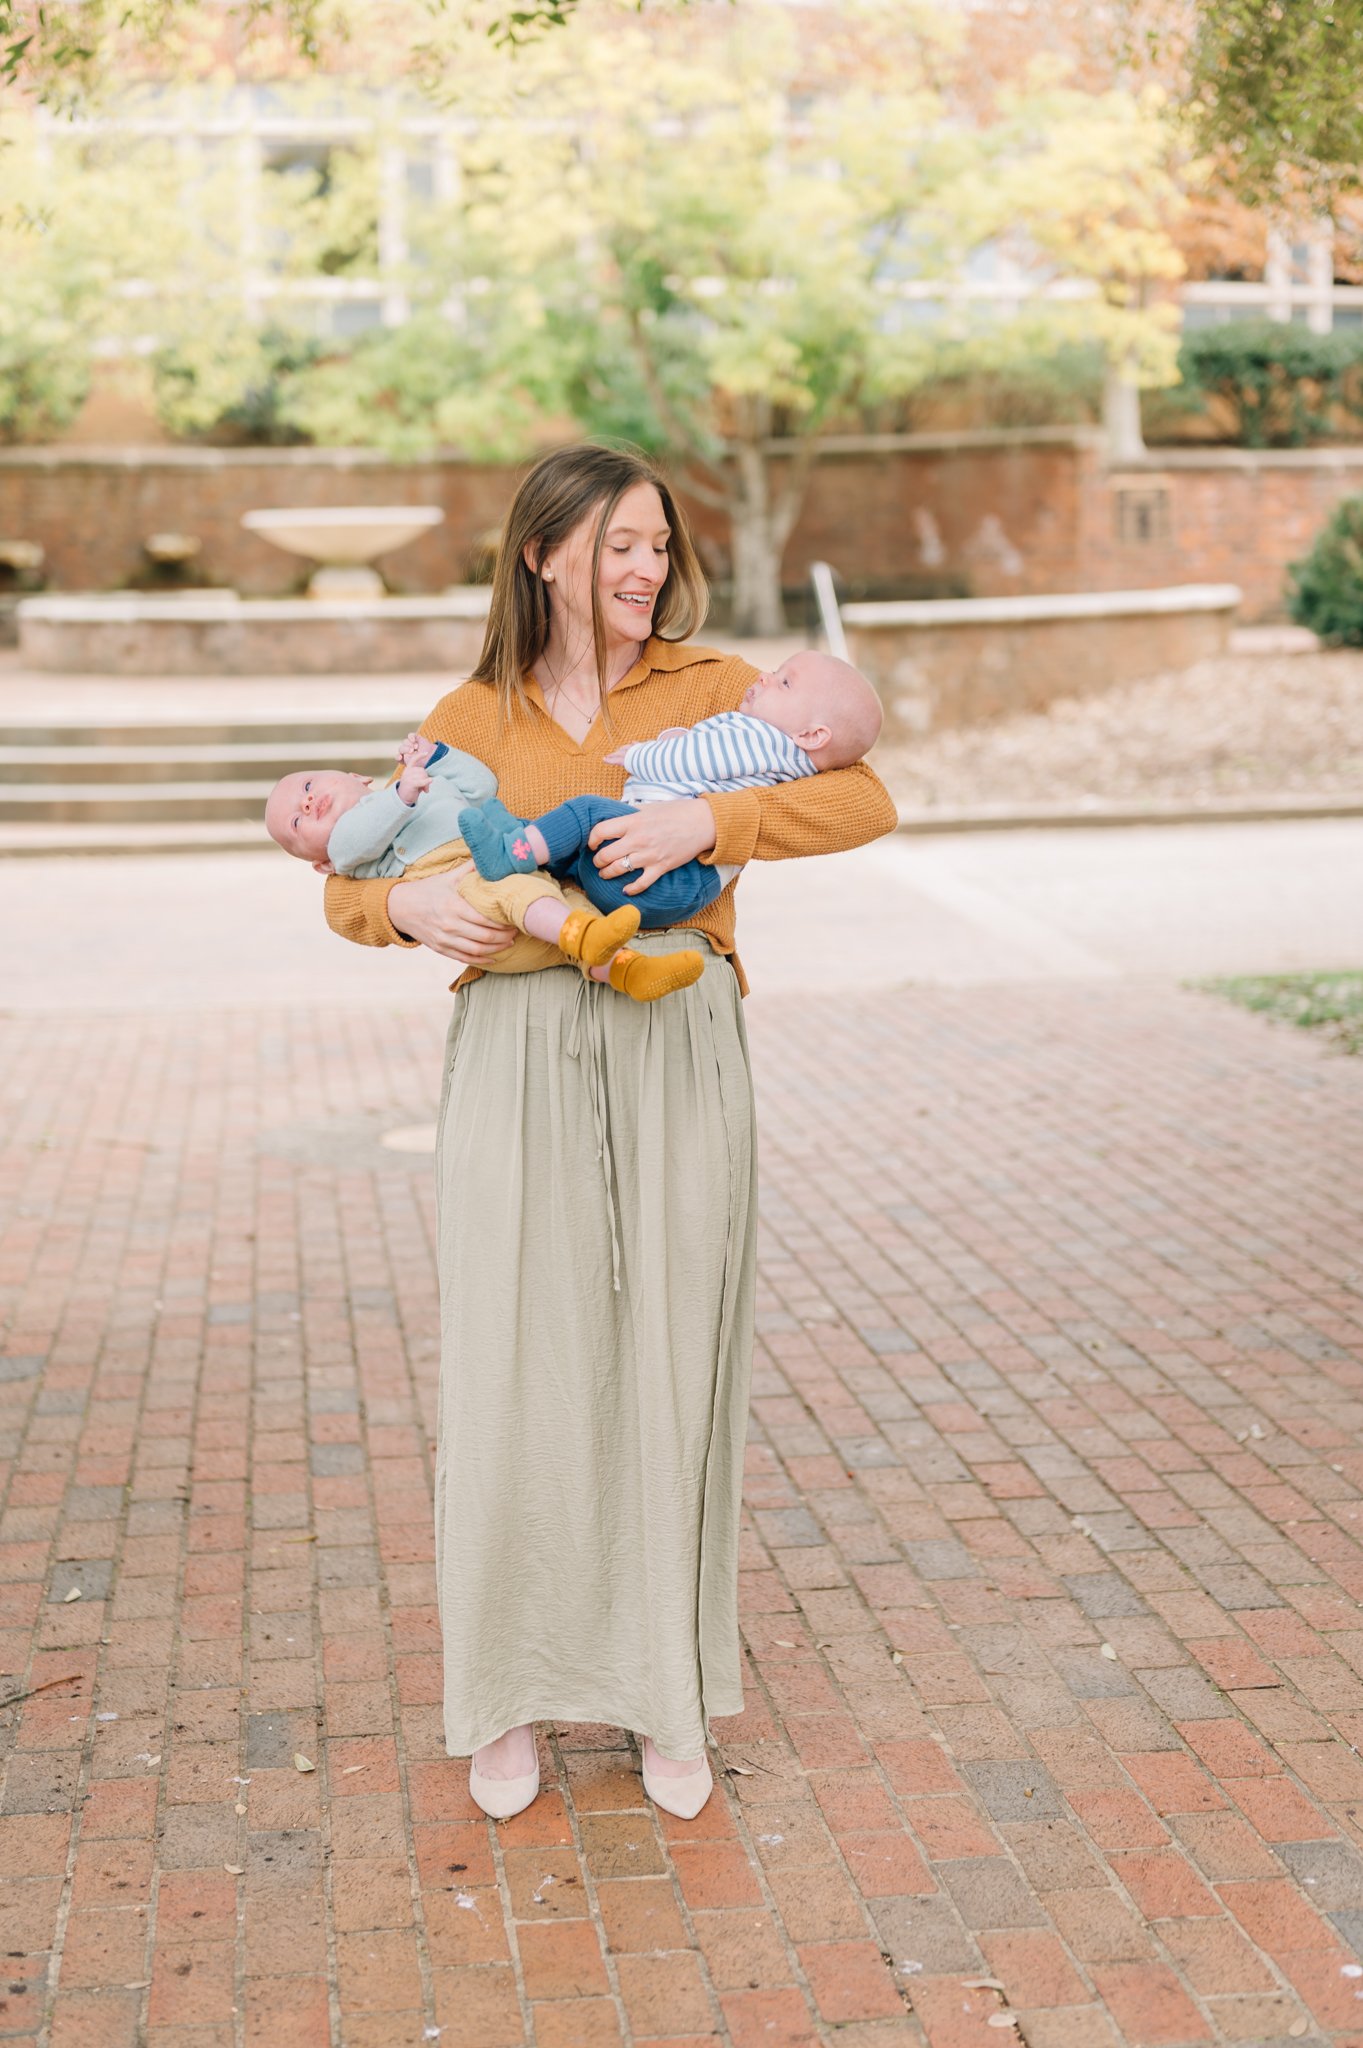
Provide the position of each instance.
(587, 711)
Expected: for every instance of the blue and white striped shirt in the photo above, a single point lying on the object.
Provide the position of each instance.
(729, 751)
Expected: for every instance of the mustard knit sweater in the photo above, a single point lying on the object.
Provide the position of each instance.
(538, 765)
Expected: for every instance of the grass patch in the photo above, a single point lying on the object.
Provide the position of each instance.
(1331, 1004)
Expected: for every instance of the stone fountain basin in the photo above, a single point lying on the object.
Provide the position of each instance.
(343, 536)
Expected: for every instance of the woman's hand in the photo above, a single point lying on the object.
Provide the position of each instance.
(433, 911)
(656, 838)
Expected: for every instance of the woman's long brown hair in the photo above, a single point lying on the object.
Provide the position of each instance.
(560, 492)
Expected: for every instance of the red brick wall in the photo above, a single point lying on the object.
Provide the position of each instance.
(1026, 512)
(1234, 517)
(92, 510)
(983, 514)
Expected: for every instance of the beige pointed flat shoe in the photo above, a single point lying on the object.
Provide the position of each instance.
(501, 1797)
(683, 1796)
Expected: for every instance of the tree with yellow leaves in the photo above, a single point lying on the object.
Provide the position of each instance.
(727, 232)
(1096, 184)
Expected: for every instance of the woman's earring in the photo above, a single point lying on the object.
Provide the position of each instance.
(548, 575)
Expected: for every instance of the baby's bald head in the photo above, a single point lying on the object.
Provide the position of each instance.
(822, 703)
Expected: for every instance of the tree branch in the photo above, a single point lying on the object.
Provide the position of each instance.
(707, 494)
(688, 438)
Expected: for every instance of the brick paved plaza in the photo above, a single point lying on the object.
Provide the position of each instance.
(1053, 1566)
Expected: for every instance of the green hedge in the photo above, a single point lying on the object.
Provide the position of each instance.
(1325, 589)
(1283, 385)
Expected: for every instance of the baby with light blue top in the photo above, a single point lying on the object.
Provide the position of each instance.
(388, 831)
(342, 825)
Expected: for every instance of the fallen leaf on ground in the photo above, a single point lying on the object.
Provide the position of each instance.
(1106, 1650)
(301, 1763)
(74, 1594)
(235, 1869)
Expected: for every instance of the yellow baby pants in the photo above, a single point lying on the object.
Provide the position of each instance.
(505, 902)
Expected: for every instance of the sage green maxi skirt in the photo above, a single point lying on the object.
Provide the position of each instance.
(597, 1218)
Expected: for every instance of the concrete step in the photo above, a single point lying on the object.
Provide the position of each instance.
(142, 803)
(48, 841)
(184, 763)
(290, 729)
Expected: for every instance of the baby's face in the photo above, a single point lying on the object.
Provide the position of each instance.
(789, 697)
(820, 702)
(302, 808)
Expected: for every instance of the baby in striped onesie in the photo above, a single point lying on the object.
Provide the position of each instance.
(811, 713)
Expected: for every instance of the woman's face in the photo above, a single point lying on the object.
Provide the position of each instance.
(631, 572)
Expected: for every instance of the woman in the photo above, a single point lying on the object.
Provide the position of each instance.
(595, 1172)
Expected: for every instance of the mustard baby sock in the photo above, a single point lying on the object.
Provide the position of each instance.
(592, 940)
(646, 976)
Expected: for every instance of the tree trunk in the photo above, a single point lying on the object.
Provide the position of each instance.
(758, 610)
(1122, 416)
(760, 521)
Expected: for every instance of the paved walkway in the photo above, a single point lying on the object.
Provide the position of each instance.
(1053, 1561)
(961, 911)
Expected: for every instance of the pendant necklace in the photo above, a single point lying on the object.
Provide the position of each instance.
(561, 689)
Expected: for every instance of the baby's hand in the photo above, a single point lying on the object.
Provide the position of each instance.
(412, 782)
(617, 759)
(416, 751)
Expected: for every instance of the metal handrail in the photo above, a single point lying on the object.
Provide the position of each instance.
(830, 618)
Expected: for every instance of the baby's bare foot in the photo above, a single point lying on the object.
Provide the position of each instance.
(666, 1766)
(511, 1756)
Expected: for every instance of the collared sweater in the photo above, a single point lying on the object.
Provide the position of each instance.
(538, 765)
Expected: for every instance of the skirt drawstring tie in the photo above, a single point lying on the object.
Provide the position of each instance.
(584, 1044)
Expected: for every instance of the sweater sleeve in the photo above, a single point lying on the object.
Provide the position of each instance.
(470, 779)
(827, 813)
(358, 910)
(367, 829)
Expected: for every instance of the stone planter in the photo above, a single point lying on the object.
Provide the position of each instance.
(959, 661)
(222, 634)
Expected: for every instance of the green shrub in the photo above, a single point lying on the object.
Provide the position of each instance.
(1282, 385)
(224, 381)
(44, 358)
(1325, 590)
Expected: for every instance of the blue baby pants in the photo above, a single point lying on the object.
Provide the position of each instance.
(672, 897)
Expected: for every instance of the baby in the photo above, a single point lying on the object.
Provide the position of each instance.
(344, 826)
(813, 712)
